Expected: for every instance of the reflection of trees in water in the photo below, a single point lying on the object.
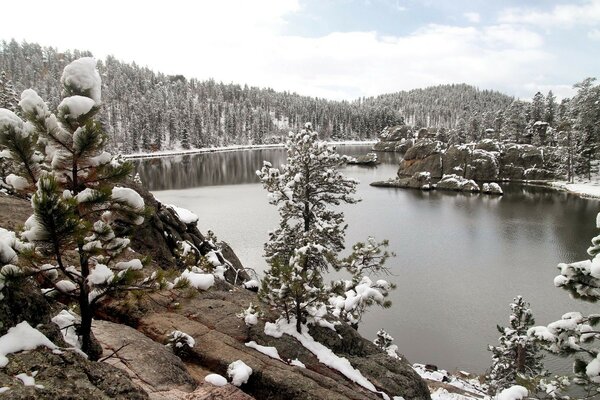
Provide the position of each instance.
(220, 168)
(182, 172)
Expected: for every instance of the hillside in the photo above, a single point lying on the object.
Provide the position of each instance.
(146, 110)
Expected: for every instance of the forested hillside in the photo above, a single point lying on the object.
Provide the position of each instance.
(146, 110)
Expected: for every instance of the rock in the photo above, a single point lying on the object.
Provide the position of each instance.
(23, 301)
(149, 364)
(420, 180)
(455, 159)
(367, 159)
(537, 174)
(457, 183)
(483, 166)
(67, 376)
(236, 274)
(211, 319)
(489, 145)
(424, 156)
(397, 138)
(492, 188)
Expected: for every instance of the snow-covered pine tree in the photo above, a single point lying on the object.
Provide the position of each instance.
(59, 160)
(311, 232)
(311, 235)
(576, 335)
(185, 139)
(518, 356)
(349, 299)
(8, 95)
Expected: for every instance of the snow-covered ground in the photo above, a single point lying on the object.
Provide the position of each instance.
(178, 152)
(584, 189)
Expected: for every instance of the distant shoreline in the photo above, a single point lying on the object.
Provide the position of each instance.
(206, 150)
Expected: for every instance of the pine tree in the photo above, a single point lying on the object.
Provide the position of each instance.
(185, 139)
(550, 110)
(310, 232)
(59, 160)
(8, 95)
(576, 335)
(517, 356)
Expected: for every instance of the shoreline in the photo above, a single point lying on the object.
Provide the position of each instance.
(224, 149)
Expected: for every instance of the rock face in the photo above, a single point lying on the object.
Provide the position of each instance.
(210, 318)
(420, 180)
(487, 160)
(424, 156)
(149, 364)
(162, 231)
(67, 376)
(492, 188)
(397, 138)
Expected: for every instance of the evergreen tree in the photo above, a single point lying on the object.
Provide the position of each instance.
(550, 110)
(517, 356)
(311, 232)
(185, 139)
(576, 335)
(8, 95)
(538, 108)
(59, 159)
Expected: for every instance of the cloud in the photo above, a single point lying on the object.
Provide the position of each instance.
(472, 17)
(594, 34)
(562, 15)
(246, 42)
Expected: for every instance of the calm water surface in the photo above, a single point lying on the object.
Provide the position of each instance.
(461, 258)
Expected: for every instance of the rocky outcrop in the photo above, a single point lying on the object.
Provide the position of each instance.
(491, 188)
(366, 159)
(163, 231)
(67, 376)
(149, 364)
(485, 161)
(457, 183)
(420, 180)
(397, 138)
(211, 319)
(424, 156)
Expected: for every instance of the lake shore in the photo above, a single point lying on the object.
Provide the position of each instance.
(222, 149)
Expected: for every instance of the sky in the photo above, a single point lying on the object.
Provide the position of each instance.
(337, 49)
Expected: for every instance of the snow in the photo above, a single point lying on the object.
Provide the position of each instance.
(239, 372)
(133, 264)
(169, 153)
(82, 76)
(185, 215)
(4, 389)
(100, 275)
(585, 189)
(65, 286)
(75, 106)
(513, 393)
(266, 350)
(129, 197)
(7, 243)
(297, 363)
(9, 119)
(443, 394)
(31, 103)
(19, 338)
(251, 284)
(29, 380)
(17, 182)
(215, 379)
(179, 338)
(198, 280)
(66, 323)
(323, 353)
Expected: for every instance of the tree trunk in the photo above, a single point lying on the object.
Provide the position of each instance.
(298, 317)
(520, 358)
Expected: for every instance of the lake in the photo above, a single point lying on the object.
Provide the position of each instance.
(460, 258)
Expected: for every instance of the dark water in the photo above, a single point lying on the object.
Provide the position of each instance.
(461, 258)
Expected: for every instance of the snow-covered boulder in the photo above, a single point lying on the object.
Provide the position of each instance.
(491, 188)
(457, 183)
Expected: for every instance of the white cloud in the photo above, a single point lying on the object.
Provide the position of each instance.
(472, 17)
(245, 42)
(594, 34)
(562, 15)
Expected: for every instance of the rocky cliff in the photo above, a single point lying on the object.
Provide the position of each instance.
(132, 331)
(483, 161)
